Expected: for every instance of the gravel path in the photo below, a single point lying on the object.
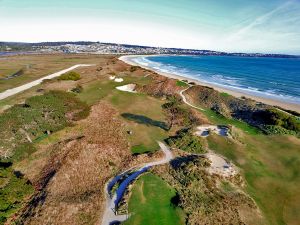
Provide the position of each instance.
(186, 102)
(109, 216)
(13, 91)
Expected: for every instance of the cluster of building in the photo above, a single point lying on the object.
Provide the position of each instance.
(103, 48)
(110, 48)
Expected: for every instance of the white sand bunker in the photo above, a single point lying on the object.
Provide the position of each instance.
(112, 77)
(119, 80)
(206, 130)
(220, 166)
(127, 88)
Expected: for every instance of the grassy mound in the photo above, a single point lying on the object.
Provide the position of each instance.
(70, 76)
(202, 198)
(186, 141)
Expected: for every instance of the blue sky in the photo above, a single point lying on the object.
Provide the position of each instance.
(231, 25)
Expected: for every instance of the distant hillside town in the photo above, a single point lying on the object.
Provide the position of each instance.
(110, 48)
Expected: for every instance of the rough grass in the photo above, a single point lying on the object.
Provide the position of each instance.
(150, 203)
(37, 66)
(144, 136)
(271, 168)
(13, 191)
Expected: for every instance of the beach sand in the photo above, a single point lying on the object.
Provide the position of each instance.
(286, 105)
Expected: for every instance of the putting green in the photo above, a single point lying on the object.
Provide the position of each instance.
(150, 203)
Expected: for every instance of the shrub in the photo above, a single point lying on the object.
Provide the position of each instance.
(133, 68)
(70, 76)
(39, 115)
(14, 188)
(273, 129)
(282, 119)
(77, 89)
(186, 141)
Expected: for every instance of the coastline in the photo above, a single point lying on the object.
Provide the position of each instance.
(268, 101)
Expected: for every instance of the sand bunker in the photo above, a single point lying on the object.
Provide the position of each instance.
(220, 166)
(127, 88)
(119, 80)
(112, 77)
(206, 130)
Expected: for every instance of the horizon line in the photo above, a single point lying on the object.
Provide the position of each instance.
(149, 46)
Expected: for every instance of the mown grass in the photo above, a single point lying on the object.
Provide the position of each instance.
(271, 168)
(180, 83)
(100, 89)
(143, 137)
(150, 203)
(224, 94)
(221, 120)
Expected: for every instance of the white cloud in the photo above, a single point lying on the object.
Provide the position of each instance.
(256, 22)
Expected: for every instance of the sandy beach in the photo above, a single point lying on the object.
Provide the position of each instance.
(128, 59)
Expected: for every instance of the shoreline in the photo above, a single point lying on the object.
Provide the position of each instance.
(237, 94)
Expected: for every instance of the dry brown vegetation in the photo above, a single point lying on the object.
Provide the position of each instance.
(70, 167)
(208, 199)
(69, 188)
(160, 86)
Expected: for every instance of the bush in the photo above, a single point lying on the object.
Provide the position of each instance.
(14, 189)
(282, 119)
(271, 129)
(186, 141)
(39, 116)
(77, 89)
(177, 114)
(70, 76)
(133, 68)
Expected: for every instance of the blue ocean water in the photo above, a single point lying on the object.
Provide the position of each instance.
(275, 78)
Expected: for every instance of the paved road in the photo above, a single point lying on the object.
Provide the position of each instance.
(185, 101)
(109, 216)
(13, 91)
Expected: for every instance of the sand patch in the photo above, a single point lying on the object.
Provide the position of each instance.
(206, 130)
(127, 88)
(119, 80)
(220, 166)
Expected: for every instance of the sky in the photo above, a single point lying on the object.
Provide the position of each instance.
(267, 26)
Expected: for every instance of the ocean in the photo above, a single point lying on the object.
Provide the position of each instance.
(273, 78)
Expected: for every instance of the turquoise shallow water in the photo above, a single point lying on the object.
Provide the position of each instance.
(275, 78)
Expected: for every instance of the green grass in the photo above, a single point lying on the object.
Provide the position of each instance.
(150, 203)
(224, 94)
(143, 138)
(100, 89)
(140, 149)
(271, 168)
(13, 191)
(143, 135)
(221, 120)
(181, 83)
(37, 66)
(69, 76)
